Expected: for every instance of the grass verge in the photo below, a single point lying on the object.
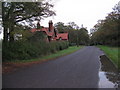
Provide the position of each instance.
(112, 53)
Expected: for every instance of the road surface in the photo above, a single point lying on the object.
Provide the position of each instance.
(77, 70)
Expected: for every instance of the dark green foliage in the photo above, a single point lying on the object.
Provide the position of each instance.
(28, 50)
(15, 12)
(107, 31)
(77, 36)
(37, 37)
(60, 27)
(34, 46)
(83, 37)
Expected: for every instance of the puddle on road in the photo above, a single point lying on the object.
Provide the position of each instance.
(108, 74)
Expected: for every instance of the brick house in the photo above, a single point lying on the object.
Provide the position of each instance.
(52, 33)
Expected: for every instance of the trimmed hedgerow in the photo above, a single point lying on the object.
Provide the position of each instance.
(21, 50)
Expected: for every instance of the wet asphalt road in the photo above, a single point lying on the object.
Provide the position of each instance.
(77, 70)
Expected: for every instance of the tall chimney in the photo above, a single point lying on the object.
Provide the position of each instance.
(38, 25)
(50, 25)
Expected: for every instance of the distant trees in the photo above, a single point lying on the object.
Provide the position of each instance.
(60, 26)
(107, 31)
(14, 13)
(77, 35)
(83, 37)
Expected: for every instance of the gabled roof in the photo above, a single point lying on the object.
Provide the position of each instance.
(62, 36)
(33, 30)
(44, 29)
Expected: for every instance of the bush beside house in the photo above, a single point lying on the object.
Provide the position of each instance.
(29, 50)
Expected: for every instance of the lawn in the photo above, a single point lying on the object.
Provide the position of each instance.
(52, 56)
(112, 53)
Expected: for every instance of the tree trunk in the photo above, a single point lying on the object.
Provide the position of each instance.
(11, 36)
(5, 37)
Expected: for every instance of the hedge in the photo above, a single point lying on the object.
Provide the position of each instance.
(20, 50)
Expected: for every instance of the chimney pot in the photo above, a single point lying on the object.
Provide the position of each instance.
(50, 25)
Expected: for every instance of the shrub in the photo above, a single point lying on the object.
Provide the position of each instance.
(21, 50)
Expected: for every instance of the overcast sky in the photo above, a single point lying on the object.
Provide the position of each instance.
(86, 12)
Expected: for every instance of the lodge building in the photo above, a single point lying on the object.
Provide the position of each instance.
(51, 33)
